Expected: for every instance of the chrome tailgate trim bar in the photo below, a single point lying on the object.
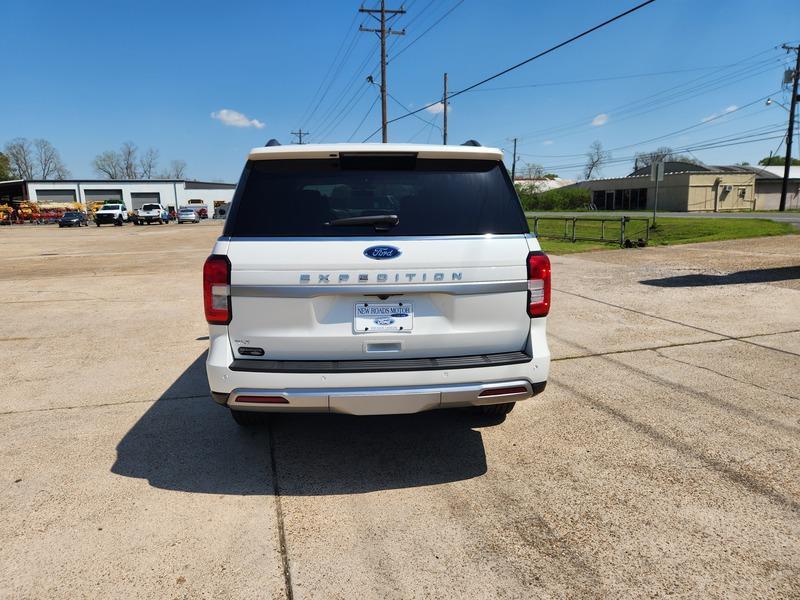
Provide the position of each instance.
(311, 291)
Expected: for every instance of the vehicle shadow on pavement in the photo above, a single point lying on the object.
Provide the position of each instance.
(341, 454)
(186, 442)
(702, 279)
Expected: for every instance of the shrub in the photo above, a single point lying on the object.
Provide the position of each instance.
(557, 199)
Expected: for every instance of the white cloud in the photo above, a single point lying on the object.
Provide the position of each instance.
(234, 118)
(547, 142)
(600, 119)
(437, 108)
(713, 116)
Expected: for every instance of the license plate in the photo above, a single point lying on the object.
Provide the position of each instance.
(371, 317)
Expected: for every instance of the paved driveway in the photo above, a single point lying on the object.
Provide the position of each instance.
(662, 459)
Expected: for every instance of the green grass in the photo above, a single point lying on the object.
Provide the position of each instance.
(668, 232)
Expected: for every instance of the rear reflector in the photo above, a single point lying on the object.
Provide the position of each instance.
(538, 284)
(217, 289)
(262, 399)
(519, 389)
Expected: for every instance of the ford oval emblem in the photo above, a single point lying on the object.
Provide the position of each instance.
(382, 252)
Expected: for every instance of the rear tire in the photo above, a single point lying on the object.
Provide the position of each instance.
(98, 224)
(246, 419)
(498, 410)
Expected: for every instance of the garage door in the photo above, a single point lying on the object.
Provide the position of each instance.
(138, 199)
(55, 195)
(102, 196)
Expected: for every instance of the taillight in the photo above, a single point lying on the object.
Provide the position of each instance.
(538, 284)
(217, 289)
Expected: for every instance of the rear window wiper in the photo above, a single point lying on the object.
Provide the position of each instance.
(381, 222)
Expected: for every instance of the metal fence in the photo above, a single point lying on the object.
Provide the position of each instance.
(617, 230)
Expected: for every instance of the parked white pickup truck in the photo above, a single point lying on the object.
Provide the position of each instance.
(151, 213)
(115, 214)
(375, 279)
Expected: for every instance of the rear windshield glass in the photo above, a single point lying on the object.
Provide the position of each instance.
(151, 207)
(306, 198)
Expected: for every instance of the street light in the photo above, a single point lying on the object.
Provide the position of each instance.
(770, 102)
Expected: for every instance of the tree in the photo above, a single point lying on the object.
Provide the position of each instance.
(108, 164)
(148, 163)
(5, 168)
(662, 154)
(20, 155)
(126, 163)
(49, 161)
(532, 171)
(596, 157)
(177, 170)
(777, 161)
(129, 160)
(34, 160)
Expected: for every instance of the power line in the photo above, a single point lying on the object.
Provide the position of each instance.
(404, 107)
(600, 79)
(439, 20)
(703, 145)
(364, 118)
(659, 99)
(346, 109)
(353, 40)
(532, 58)
(349, 87)
(699, 145)
(430, 131)
(666, 135)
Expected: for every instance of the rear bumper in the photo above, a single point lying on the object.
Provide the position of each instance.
(377, 401)
(371, 391)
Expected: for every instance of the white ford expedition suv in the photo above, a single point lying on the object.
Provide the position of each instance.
(375, 279)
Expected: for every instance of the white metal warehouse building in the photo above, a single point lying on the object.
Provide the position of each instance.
(171, 193)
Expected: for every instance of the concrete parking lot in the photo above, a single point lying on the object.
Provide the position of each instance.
(663, 458)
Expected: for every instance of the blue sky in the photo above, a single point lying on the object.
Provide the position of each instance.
(91, 75)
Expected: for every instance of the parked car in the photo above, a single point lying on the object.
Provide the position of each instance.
(151, 213)
(115, 214)
(188, 215)
(71, 219)
(375, 279)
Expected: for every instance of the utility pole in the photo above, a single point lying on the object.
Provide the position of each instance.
(790, 133)
(514, 162)
(444, 108)
(383, 32)
(300, 133)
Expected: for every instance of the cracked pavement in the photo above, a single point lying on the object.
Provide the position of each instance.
(663, 458)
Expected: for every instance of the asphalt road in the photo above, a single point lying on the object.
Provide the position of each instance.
(785, 217)
(663, 458)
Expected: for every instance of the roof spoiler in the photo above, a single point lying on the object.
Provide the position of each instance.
(471, 143)
(272, 142)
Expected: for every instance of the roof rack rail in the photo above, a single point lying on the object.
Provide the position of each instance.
(272, 142)
(471, 143)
